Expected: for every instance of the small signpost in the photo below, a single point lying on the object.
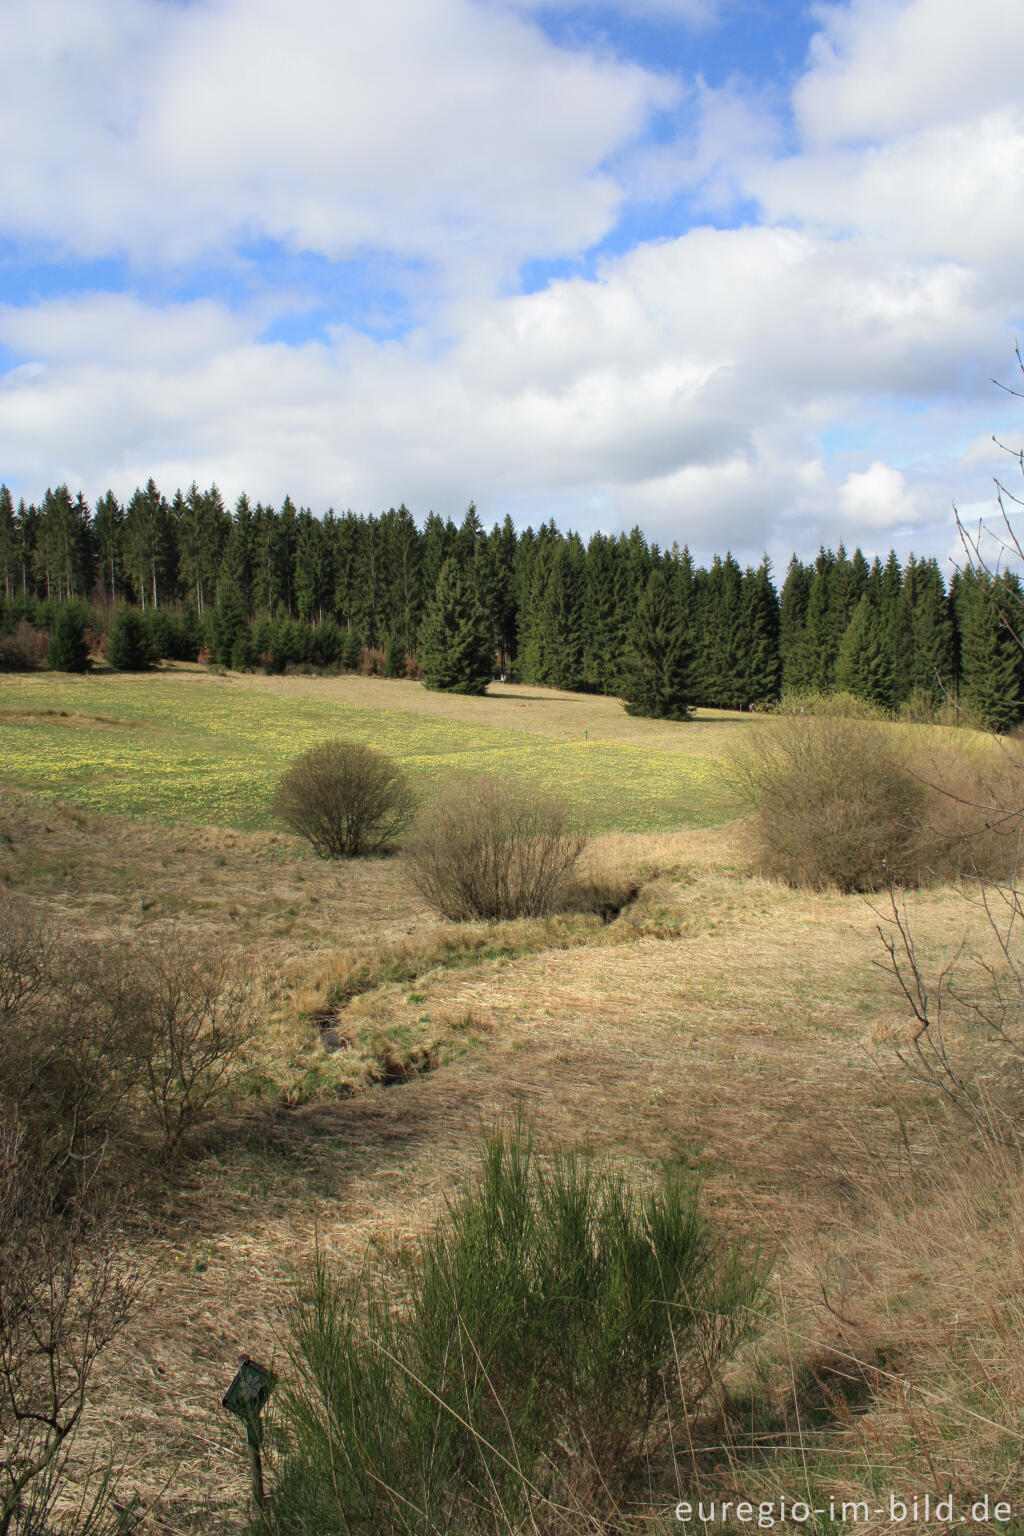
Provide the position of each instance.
(246, 1397)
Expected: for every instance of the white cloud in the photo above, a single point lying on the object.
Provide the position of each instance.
(880, 68)
(693, 384)
(877, 499)
(686, 387)
(443, 131)
(698, 13)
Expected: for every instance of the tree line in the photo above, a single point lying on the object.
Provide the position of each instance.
(259, 585)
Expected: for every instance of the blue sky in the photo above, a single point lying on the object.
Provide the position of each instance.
(740, 272)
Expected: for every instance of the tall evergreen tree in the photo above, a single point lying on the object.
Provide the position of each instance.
(502, 547)
(865, 665)
(657, 666)
(454, 645)
(108, 520)
(761, 628)
(797, 663)
(8, 543)
(991, 661)
(147, 539)
(822, 643)
(930, 638)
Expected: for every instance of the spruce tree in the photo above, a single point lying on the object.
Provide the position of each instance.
(797, 669)
(865, 665)
(229, 620)
(761, 624)
(454, 649)
(656, 669)
(931, 658)
(68, 651)
(991, 662)
(130, 647)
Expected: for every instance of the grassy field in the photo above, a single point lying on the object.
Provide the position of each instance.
(721, 1022)
(186, 746)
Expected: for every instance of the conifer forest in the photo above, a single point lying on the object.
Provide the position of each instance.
(282, 588)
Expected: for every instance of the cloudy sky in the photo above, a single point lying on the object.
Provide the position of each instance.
(741, 271)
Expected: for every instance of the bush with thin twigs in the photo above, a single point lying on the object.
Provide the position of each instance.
(65, 1297)
(198, 1014)
(488, 848)
(553, 1331)
(24, 650)
(835, 802)
(345, 799)
(967, 1035)
(118, 1044)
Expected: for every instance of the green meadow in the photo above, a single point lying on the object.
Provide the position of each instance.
(184, 747)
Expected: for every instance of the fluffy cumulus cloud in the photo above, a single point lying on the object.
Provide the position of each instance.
(445, 131)
(819, 370)
(878, 498)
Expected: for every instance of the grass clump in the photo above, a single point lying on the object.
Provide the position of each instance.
(835, 802)
(487, 848)
(550, 1334)
(345, 799)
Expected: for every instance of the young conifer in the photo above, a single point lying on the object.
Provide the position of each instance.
(655, 681)
(455, 650)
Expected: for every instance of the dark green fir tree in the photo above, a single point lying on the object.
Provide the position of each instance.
(866, 665)
(68, 651)
(229, 620)
(991, 662)
(657, 664)
(455, 649)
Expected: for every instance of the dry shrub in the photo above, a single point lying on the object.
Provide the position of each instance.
(974, 816)
(835, 801)
(345, 799)
(488, 848)
(64, 1297)
(24, 650)
(198, 1014)
(107, 1043)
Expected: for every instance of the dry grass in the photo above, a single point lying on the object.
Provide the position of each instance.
(720, 1020)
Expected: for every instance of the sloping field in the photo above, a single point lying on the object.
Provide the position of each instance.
(186, 746)
(719, 1021)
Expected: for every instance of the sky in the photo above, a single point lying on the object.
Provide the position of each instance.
(742, 272)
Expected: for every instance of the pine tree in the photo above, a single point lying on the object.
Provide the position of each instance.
(761, 626)
(108, 526)
(865, 665)
(229, 622)
(991, 661)
(8, 543)
(130, 647)
(454, 648)
(797, 668)
(931, 649)
(68, 651)
(657, 664)
(820, 652)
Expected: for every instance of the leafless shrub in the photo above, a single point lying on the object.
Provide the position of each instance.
(69, 1065)
(199, 1012)
(25, 649)
(103, 1043)
(834, 800)
(967, 1036)
(486, 848)
(64, 1297)
(345, 799)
